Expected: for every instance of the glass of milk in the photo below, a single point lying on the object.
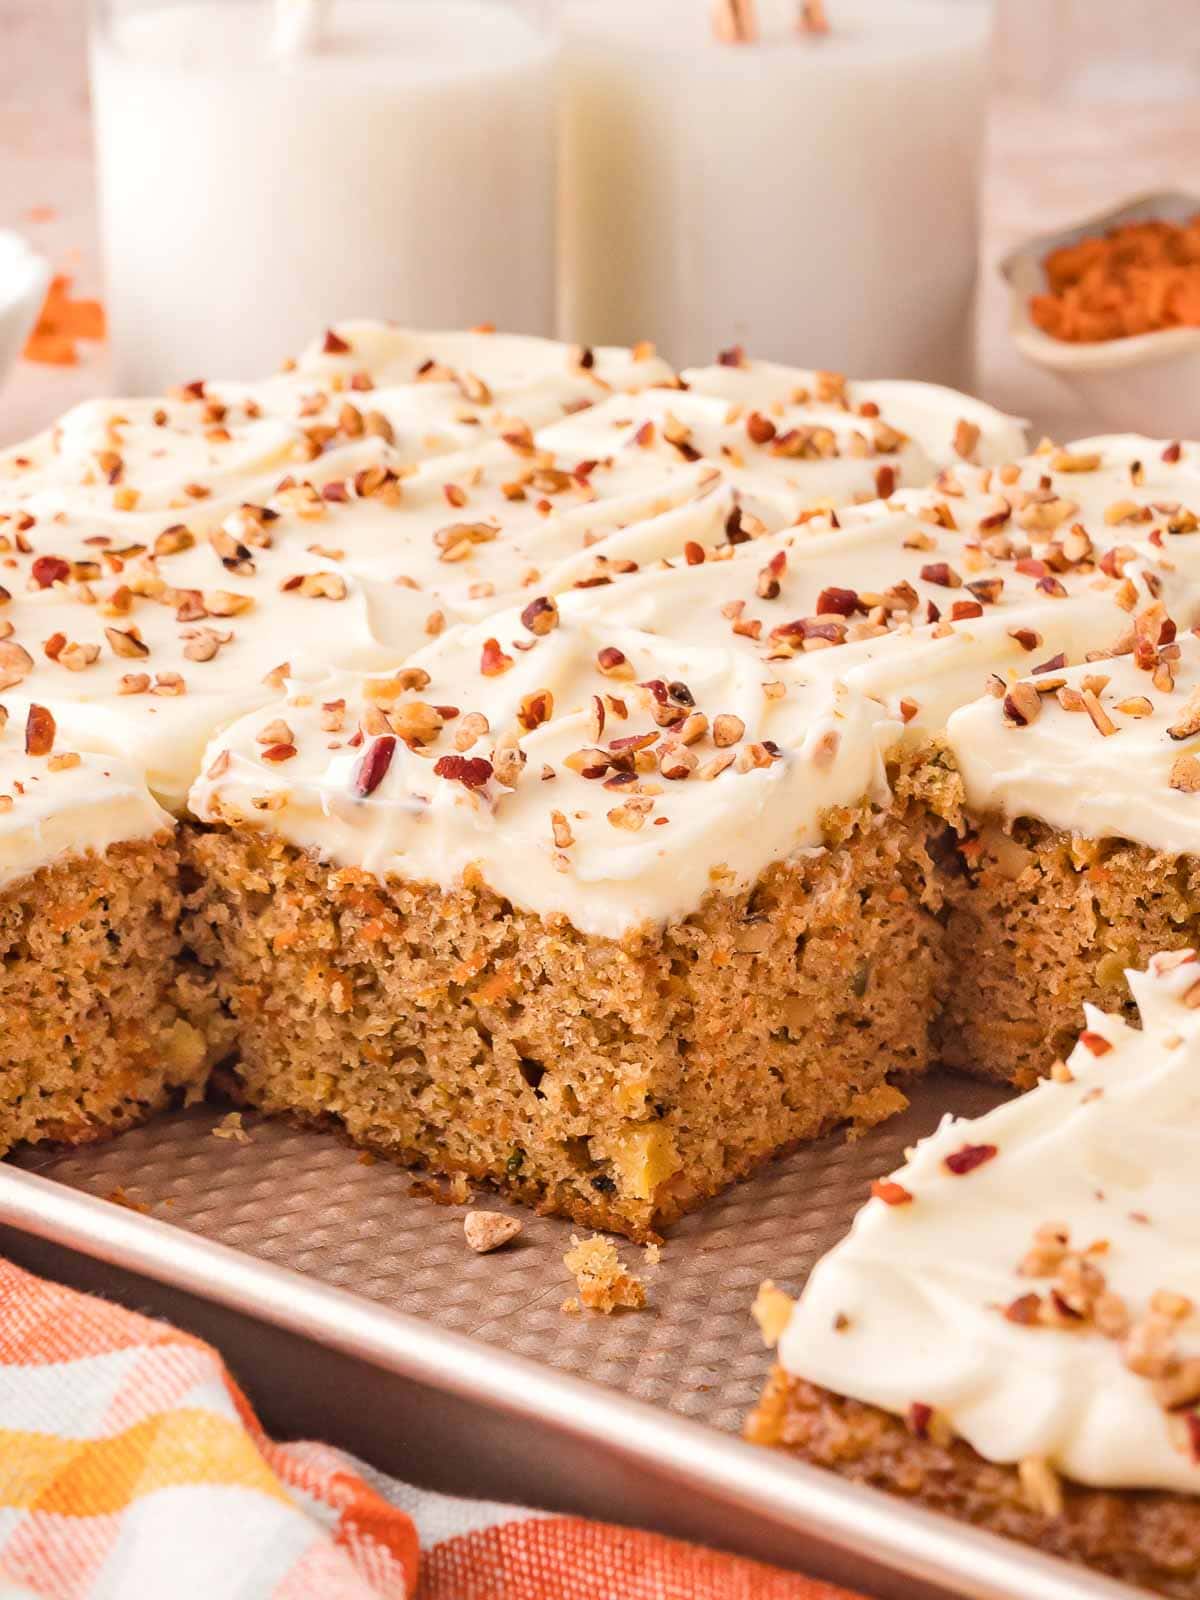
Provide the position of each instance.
(811, 196)
(267, 167)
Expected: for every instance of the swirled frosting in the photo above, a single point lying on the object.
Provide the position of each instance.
(886, 617)
(166, 563)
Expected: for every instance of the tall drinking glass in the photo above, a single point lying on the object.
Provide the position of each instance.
(270, 166)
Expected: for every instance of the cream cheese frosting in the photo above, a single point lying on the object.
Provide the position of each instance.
(1031, 1275)
(899, 613)
(623, 747)
(168, 566)
(164, 562)
(947, 425)
(427, 394)
(55, 801)
(1112, 749)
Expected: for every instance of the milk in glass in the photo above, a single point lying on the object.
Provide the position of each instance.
(812, 197)
(389, 158)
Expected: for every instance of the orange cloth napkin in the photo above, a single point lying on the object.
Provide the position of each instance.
(131, 1467)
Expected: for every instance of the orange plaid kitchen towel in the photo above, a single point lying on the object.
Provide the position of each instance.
(131, 1468)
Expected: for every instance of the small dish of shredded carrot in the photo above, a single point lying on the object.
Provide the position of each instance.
(1140, 277)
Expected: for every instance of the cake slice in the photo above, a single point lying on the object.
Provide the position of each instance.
(1081, 855)
(645, 868)
(568, 906)
(1010, 1332)
(99, 1021)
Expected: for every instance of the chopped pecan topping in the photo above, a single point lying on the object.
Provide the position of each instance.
(127, 643)
(966, 438)
(540, 616)
(1095, 1042)
(15, 663)
(1022, 705)
(961, 1162)
(416, 722)
(942, 574)
(535, 709)
(613, 663)
(49, 570)
(373, 765)
(492, 660)
(837, 602)
(727, 730)
(39, 731)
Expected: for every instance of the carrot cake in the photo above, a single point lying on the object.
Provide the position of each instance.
(1010, 1332)
(99, 1021)
(169, 564)
(560, 745)
(611, 896)
(1083, 854)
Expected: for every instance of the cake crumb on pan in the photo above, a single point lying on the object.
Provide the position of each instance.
(603, 1281)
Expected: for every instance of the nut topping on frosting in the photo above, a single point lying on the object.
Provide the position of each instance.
(1065, 1337)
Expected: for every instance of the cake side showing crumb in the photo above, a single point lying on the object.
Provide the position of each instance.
(617, 1082)
(1147, 1538)
(1043, 922)
(99, 1028)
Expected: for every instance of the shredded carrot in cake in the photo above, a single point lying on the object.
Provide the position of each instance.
(1139, 278)
(61, 322)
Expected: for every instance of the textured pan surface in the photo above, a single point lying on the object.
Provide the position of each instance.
(306, 1201)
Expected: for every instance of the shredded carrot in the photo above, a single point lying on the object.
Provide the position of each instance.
(41, 214)
(1139, 278)
(61, 322)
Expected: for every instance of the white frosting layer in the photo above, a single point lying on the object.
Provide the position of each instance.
(342, 514)
(65, 803)
(625, 853)
(1063, 770)
(910, 1307)
(878, 617)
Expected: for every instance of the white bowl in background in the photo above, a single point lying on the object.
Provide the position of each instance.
(24, 279)
(1149, 383)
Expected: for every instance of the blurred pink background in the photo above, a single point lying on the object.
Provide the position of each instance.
(1094, 100)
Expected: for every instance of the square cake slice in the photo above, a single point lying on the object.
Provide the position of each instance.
(1082, 855)
(569, 906)
(1010, 1333)
(613, 895)
(98, 1018)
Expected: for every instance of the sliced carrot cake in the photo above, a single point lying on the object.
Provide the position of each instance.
(1010, 1333)
(99, 1020)
(610, 896)
(1083, 853)
(551, 722)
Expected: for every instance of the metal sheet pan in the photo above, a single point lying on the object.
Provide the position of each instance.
(351, 1307)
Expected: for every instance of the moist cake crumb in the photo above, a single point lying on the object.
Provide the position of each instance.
(603, 1281)
(771, 1310)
